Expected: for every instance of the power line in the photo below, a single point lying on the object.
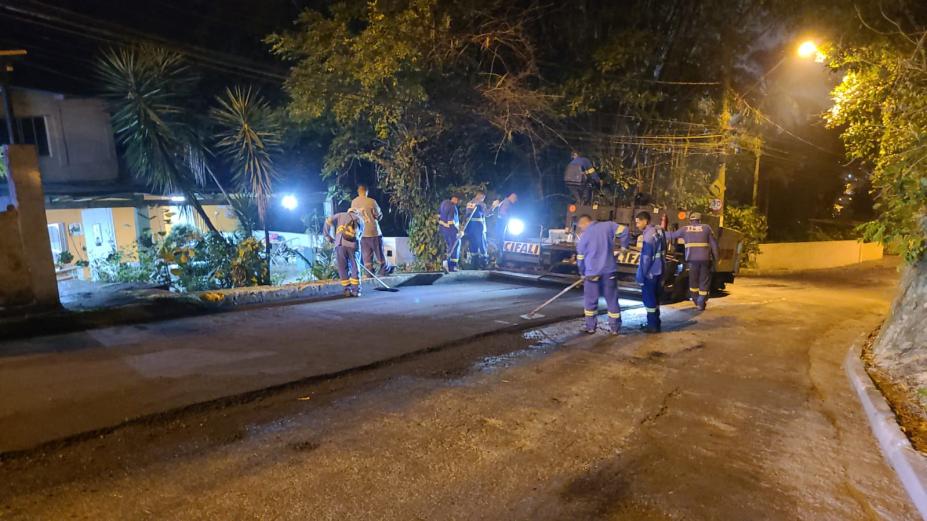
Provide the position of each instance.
(154, 38)
(91, 31)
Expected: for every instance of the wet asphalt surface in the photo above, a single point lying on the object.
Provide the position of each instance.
(741, 412)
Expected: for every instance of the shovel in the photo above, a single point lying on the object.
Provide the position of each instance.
(534, 313)
(385, 285)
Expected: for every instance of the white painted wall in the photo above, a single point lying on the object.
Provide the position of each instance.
(80, 137)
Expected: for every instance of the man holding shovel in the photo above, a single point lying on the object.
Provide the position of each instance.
(595, 257)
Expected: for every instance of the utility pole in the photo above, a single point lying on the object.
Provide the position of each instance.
(719, 186)
(757, 151)
(6, 69)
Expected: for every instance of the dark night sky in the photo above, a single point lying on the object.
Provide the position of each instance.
(64, 36)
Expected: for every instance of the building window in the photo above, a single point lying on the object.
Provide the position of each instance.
(56, 239)
(29, 131)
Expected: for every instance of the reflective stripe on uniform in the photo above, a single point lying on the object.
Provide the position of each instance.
(345, 283)
(580, 257)
(355, 281)
(590, 313)
(651, 310)
(702, 292)
(693, 290)
(614, 315)
(696, 245)
(478, 219)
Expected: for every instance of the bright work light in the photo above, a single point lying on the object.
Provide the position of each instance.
(289, 202)
(516, 226)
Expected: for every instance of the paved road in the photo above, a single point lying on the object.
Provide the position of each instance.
(58, 386)
(742, 412)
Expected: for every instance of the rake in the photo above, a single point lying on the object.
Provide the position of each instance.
(534, 313)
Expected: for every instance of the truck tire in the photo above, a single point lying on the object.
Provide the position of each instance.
(679, 290)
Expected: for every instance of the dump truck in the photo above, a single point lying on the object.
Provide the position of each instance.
(552, 255)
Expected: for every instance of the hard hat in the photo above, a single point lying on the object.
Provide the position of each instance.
(695, 216)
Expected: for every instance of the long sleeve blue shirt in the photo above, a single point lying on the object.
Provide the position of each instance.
(652, 250)
(595, 251)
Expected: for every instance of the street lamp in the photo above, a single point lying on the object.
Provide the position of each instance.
(289, 202)
(808, 49)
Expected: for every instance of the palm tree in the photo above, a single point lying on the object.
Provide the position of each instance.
(146, 88)
(249, 136)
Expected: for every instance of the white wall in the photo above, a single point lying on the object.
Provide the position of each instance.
(80, 137)
(815, 255)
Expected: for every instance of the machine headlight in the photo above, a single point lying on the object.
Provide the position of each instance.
(516, 226)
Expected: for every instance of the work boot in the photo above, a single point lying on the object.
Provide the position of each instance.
(388, 270)
(649, 329)
(348, 293)
(445, 267)
(615, 331)
(356, 293)
(585, 331)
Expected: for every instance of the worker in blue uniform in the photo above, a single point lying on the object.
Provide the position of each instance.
(348, 227)
(503, 211)
(449, 226)
(650, 269)
(581, 179)
(476, 230)
(701, 246)
(595, 257)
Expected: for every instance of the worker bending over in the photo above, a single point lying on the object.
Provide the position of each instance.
(650, 269)
(701, 247)
(449, 226)
(595, 256)
(347, 225)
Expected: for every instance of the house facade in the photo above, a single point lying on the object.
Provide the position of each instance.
(93, 208)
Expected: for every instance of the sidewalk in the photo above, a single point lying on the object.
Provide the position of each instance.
(56, 387)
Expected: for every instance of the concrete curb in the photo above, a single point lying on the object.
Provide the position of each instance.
(258, 295)
(910, 465)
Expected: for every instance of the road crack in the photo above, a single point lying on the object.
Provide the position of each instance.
(664, 407)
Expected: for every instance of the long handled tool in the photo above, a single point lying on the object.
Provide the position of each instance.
(534, 313)
(385, 287)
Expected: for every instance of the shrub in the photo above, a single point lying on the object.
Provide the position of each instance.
(748, 221)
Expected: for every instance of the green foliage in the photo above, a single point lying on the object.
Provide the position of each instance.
(881, 108)
(249, 134)
(147, 88)
(64, 258)
(750, 222)
(138, 263)
(323, 262)
(415, 89)
(204, 262)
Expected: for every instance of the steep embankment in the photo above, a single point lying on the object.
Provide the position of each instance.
(897, 359)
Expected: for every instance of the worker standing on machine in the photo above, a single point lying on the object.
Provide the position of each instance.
(348, 226)
(580, 176)
(476, 229)
(701, 247)
(595, 258)
(650, 270)
(449, 225)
